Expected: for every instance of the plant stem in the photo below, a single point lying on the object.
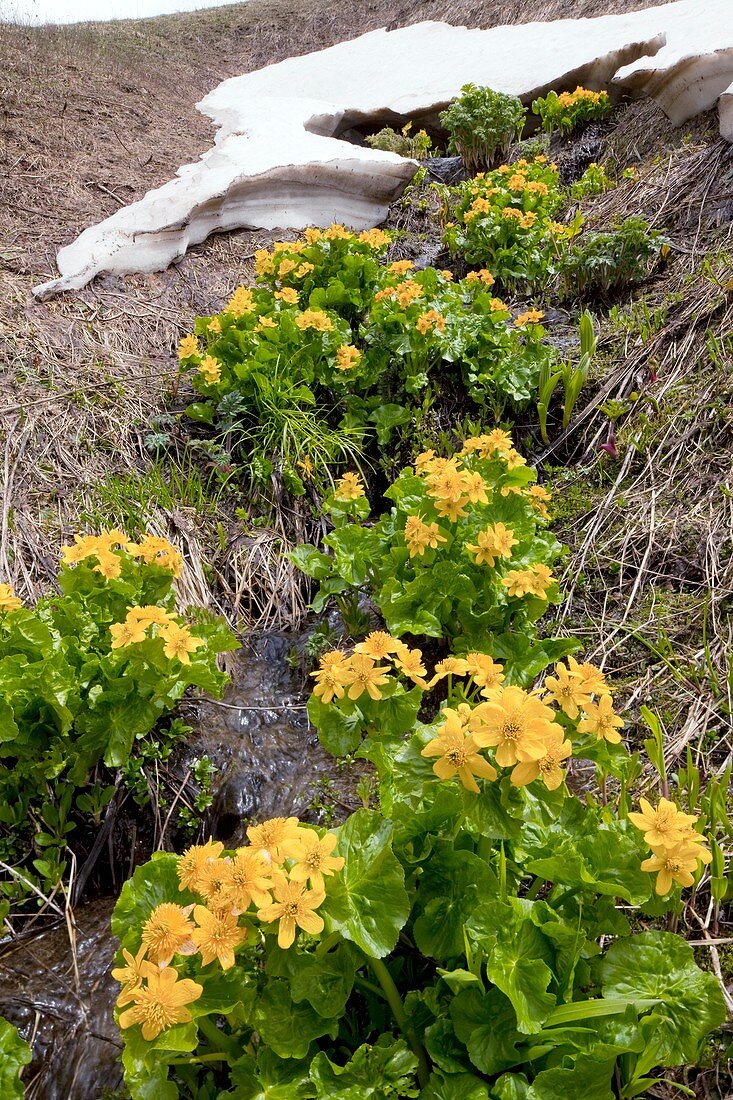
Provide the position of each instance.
(325, 946)
(383, 976)
(214, 1037)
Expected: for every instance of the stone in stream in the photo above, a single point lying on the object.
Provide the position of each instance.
(278, 159)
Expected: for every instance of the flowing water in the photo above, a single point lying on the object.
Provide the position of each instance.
(269, 763)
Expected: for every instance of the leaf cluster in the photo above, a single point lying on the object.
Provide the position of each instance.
(482, 125)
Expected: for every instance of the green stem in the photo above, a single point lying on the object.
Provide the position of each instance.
(202, 1058)
(325, 946)
(383, 976)
(215, 1037)
(534, 889)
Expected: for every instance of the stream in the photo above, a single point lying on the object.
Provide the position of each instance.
(268, 763)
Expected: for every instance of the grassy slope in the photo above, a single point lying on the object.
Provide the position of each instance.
(94, 116)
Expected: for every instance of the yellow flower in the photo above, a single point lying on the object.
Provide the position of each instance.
(279, 837)
(591, 677)
(677, 865)
(149, 615)
(375, 238)
(213, 882)
(497, 306)
(518, 724)
(167, 932)
(108, 564)
(378, 644)
(179, 642)
(8, 600)
(330, 677)
(315, 859)
(400, 267)
(482, 276)
(293, 906)
(306, 467)
(533, 581)
(288, 294)
(484, 671)
(248, 881)
(188, 347)
(264, 264)
(211, 369)
(447, 275)
(336, 232)
(217, 935)
(240, 302)
(304, 269)
(128, 633)
(458, 754)
(539, 498)
(286, 266)
(84, 546)
(431, 319)
(131, 976)
(493, 542)
(312, 235)
(531, 317)
(214, 326)
(347, 357)
(475, 487)
(664, 826)
(548, 767)
(314, 319)
(449, 666)
(363, 675)
(161, 1003)
(601, 719)
(408, 292)
(409, 661)
(419, 535)
(567, 690)
(157, 551)
(349, 487)
(193, 862)
(511, 213)
(264, 322)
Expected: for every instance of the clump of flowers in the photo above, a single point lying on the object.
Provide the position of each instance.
(566, 111)
(279, 878)
(677, 847)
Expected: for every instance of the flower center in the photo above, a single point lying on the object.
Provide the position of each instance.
(511, 730)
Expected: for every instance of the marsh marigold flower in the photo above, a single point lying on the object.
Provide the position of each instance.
(188, 347)
(420, 535)
(486, 673)
(493, 542)
(378, 644)
(519, 725)
(248, 881)
(347, 357)
(128, 633)
(330, 677)
(567, 690)
(375, 238)
(241, 302)
(161, 1003)
(179, 642)
(279, 837)
(548, 768)
(533, 581)
(210, 368)
(430, 320)
(193, 861)
(531, 317)
(288, 294)
(213, 882)
(592, 677)
(601, 719)
(315, 859)
(216, 935)
(364, 675)
(167, 932)
(678, 865)
(400, 267)
(458, 754)
(8, 600)
(349, 487)
(131, 975)
(409, 661)
(314, 319)
(663, 826)
(293, 906)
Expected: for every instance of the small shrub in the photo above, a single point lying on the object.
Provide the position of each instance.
(601, 263)
(482, 125)
(594, 181)
(568, 110)
(415, 146)
(83, 676)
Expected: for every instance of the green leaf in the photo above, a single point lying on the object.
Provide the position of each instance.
(452, 886)
(661, 966)
(460, 1086)
(268, 1078)
(324, 981)
(14, 1054)
(585, 1077)
(311, 561)
(385, 1069)
(287, 1027)
(367, 902)
(201, 411)
(487, 1024)
(518, 966)
(339, 733)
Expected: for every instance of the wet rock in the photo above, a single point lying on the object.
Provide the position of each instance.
(60, 996)
(269, 762)
(450, 170)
